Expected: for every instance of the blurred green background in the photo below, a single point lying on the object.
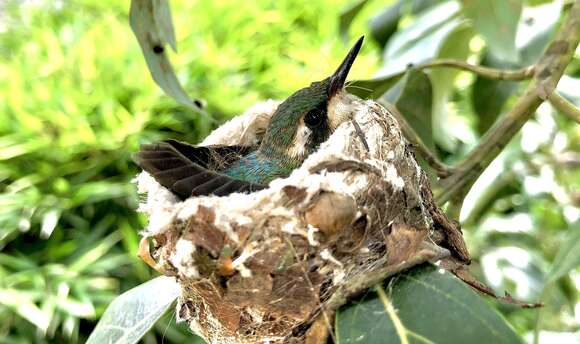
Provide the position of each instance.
(76, 99)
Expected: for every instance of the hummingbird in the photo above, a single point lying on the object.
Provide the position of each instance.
(295, 130)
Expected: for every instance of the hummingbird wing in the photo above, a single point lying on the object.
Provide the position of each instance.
(189, 170)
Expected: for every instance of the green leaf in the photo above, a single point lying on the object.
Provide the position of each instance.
(133, 313)
(497, 22)
(568, 257)
(423, 305)
(153, 29)
(413, 98)
(348, 15)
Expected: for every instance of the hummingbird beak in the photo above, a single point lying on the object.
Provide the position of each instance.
(339, 77)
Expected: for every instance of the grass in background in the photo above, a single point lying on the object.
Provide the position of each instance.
(77, 100)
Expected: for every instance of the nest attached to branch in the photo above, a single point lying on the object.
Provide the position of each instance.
(272, 266)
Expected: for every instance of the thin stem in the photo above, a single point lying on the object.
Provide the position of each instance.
(564, 106)
(486, 72)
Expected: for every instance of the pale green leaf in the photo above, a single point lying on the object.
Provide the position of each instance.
(132, 314)
(422, 40)
(152, 34)
(497, 22)
(164, 22)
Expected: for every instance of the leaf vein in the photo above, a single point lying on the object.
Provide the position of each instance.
(474, 314)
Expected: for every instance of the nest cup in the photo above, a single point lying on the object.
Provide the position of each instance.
(262, 267)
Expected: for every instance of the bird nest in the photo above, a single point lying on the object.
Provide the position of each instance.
(272, 266)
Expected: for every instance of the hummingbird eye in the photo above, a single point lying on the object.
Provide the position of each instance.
(314, 118)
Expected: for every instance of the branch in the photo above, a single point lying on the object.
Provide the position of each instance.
(440, 168)
(547, 72)
(564, 106)
(486, 72)
(379, 85)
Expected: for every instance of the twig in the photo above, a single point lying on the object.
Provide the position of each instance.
(360, 134)
(368, 279)
(440, 168)
(492, 143)
(379, 85)
(327, 320)
(461, 272)
(548, 71)
(486, 72)
(564, 106)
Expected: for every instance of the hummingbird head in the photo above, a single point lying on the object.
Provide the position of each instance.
(307, 118)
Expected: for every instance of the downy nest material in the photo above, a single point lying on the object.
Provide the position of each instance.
(272, 266)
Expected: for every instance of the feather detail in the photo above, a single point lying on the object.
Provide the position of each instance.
(189, 171)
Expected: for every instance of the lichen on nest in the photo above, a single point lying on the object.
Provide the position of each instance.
(262, 267)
